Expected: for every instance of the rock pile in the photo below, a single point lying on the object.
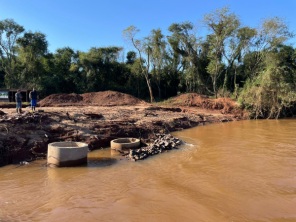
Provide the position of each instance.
(164, 142)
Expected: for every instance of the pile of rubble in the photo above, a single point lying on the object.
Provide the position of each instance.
(163, 142)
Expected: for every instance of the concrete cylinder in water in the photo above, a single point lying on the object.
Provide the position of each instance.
(125, 143)
(63, 154)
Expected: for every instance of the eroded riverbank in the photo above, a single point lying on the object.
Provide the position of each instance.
(24, 137)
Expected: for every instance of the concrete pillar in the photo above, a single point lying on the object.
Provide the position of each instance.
(63, 154)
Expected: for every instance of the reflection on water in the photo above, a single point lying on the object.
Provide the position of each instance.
(102, 158)
(240, 171)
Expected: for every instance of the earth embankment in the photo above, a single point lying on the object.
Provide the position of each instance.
(99, 117)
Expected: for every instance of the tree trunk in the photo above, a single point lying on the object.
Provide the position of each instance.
(225, 82)
(150, 91)
(150, 88)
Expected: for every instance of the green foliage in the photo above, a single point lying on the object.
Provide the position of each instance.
(10, 31)
(131, 57)
(32, 47)
(253, 65)
(99, 68)
(187, 57)
(274, 90)
(222, 25)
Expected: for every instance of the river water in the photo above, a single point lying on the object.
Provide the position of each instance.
(238, 171)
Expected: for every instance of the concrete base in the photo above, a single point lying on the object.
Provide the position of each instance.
(125, 143)
(63, 154)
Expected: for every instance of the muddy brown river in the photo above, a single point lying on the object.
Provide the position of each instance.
(239, 171)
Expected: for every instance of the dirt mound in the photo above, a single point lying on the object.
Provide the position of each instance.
(110, 98)
(224, 105)
(56, 99)
(103, 98)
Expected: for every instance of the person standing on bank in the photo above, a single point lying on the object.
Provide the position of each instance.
(33, 98)
(18, 100)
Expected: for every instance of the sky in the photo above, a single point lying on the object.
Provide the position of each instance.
(83, 24)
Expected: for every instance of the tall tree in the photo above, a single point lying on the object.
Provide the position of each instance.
(65, 76)
(271, 33)
(158, 56)
(222, 25)
(185, 44)
(32, 47)
(9, 33)
(98, 66)
(237, 46)
(135, 83)
(144, 51)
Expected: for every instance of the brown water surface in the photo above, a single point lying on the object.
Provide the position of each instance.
(240, 171)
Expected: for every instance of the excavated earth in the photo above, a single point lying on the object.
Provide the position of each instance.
(97, 118)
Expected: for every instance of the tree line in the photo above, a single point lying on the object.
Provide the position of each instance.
(255, 66)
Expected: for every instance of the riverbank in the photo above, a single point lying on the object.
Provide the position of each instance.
(98, 118)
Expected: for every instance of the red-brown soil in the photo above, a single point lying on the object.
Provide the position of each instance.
(98, 117)
(104, 98)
